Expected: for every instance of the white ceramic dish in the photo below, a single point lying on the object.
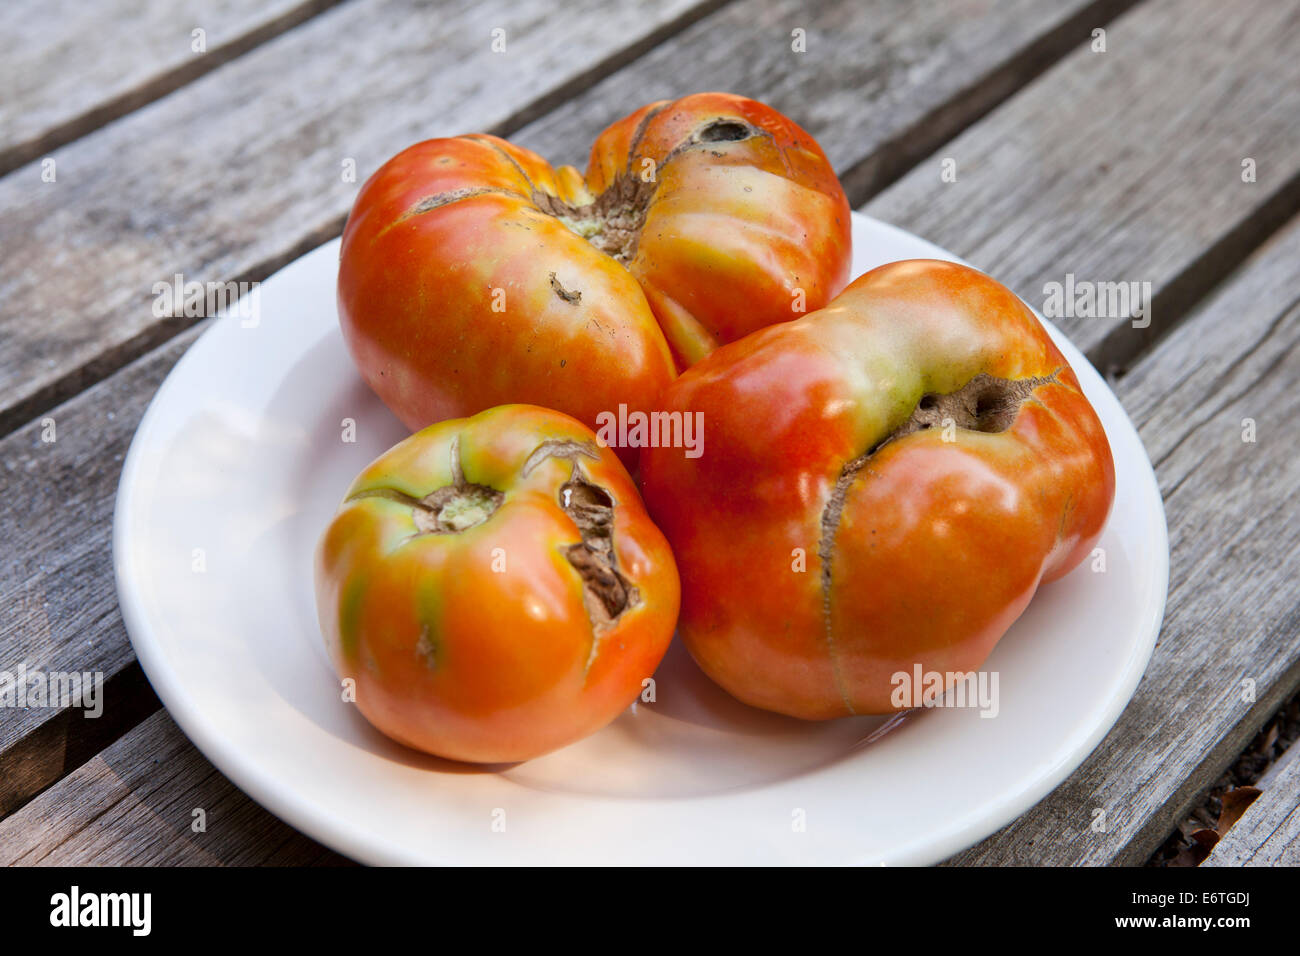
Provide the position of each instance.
(237, 467)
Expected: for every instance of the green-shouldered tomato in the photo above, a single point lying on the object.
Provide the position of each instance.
(886, 482)
(494, 587)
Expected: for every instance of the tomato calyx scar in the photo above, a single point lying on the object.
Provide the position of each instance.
(984, 404)
(450, 509)
(611, 222)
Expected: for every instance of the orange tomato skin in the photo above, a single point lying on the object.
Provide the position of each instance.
(938, 545)
(478, 644)
(464, 282)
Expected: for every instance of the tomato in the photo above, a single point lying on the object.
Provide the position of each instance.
(494, 587)
(884, 484)
(473, 273)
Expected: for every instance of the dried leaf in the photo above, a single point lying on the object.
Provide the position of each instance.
(1235, 803)
(1206, 838)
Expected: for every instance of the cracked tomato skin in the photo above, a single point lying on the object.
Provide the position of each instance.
(818, 559)
(473, 273)
(469, 631)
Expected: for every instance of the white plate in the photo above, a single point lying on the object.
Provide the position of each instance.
(237, 467)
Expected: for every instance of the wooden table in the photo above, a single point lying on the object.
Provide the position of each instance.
(1154, 141)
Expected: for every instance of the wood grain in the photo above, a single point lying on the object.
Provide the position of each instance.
(243, 170)
(1268, 834)
(1229, 650)
(1127, 165)
(58, 604)
(125, 52)
(152, 800)
(880, 84)
(255, 177)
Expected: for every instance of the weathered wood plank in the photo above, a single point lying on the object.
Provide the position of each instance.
(1127, 165)
(126, 53)
(58, 605)
(151, 800)
(244, 169)
(1268, 834)
(1229, 651)
(880, 84)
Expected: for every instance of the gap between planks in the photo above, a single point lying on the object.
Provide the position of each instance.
(60, 132)
(1268, 833)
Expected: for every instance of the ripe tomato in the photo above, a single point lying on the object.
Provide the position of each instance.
(495, 587)
(885, 483)
(473, 273)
